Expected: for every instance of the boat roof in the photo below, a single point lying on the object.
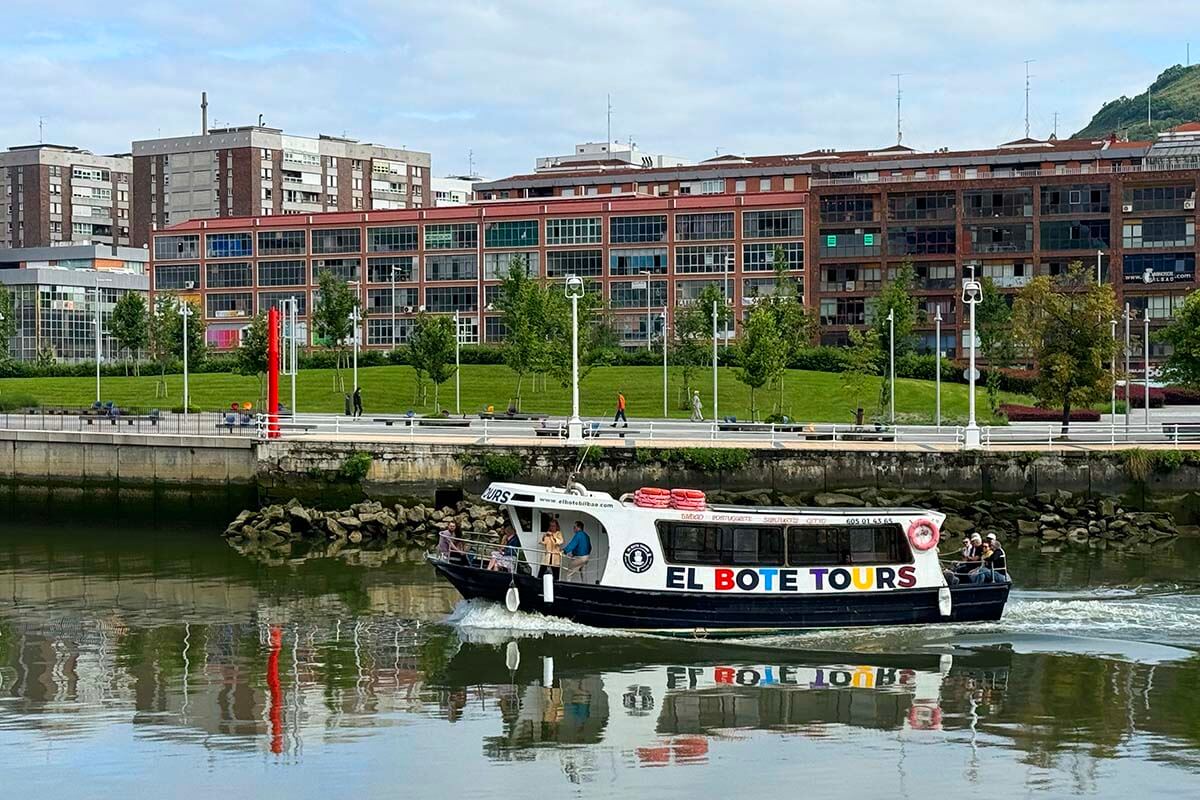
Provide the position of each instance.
(826, 510)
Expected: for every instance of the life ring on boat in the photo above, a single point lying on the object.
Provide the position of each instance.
(925, 717)
(923, 534)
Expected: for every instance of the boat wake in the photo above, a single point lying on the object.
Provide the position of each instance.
(482, 620)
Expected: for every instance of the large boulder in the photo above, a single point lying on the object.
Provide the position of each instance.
(833, 499)
(1026, 527)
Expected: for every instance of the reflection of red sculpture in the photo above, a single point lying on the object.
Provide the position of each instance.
(681, 750)
(925, 717)
(276, 692)
(654, 756)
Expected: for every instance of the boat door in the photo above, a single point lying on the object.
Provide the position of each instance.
(589, 570)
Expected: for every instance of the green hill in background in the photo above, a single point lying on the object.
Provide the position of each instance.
(1175, 100)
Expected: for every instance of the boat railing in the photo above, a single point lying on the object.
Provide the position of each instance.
(964, 569)
(482, 550)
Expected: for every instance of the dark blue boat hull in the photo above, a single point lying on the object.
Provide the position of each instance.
(609, 607)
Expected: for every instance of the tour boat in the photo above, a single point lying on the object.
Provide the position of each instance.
(665, 560)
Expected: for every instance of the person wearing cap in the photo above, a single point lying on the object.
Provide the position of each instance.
(993, 567)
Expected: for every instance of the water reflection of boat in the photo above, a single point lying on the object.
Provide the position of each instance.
(664, 703)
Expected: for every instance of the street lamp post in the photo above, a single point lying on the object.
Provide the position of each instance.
(649, 329)
(99, 335)
(1113, 369)
(394, 268)
(457, 365)
(937, 374)
(1128, 398)
(185, 311)
(574, 290)
(972, 294)
(664, 344)
(725, 285)
(892, 364)
(1146, 367)
(716, 417)
(355, 320)
(1099, 280)
(291, 318)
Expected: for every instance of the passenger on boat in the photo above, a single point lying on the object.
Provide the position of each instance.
(505, 557)
(970, 561)
(993, 566)
(451, 547)
(579, 549)
(552, 543)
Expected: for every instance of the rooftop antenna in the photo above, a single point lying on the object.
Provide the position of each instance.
(1027, 77)
(899, 132)
(204, 113)
(41, 130)
(1149, 91)
(471, 163)
(1055, 124)
(608, 135)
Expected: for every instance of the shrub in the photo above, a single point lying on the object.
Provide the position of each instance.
(356, 466)
(702, 459)
(1137, 464)
(1179, 396)
(1137, 395)
(1166, 461)
(498, 466)
(1019, 413)
(10, 401)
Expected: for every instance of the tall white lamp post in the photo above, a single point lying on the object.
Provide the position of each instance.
(574, 291)
(892, 364)
(1146, 369)
(725, 284)
(355, 321)
(1099, 280)
(664, 344)
(99, 335)
(1113, 367)
(457, 365)
(716, 417)
(649, 327)
(937, 374)
(972, 294)
(185, 311)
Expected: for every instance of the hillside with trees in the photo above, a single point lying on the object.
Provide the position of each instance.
(1175, 99)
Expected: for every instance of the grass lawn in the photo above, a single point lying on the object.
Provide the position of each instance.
(810, 396)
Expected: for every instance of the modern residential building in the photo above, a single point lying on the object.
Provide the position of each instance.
(453, 190)
(53, 194)
(57, 292)
(256, 170)
(643, 254)
(607, 155)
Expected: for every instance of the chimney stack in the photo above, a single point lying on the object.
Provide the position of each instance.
(204, 113)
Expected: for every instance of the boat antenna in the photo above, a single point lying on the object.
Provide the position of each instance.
(578, 466)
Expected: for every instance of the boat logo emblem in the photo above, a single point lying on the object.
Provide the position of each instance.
(638, 557)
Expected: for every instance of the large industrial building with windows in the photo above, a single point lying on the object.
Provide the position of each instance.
(651, 237)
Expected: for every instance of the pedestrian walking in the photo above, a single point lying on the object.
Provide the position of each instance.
(620, 415)
(697, 407)
(357, 402)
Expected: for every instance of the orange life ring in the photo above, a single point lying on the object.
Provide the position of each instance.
(923, 534)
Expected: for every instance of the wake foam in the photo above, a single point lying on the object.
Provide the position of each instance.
(478, 618)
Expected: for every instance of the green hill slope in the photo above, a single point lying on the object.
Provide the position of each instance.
(1176, 99)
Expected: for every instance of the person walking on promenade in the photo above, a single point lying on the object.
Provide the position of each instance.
(697, 407)
(358, 411)
(620, 415)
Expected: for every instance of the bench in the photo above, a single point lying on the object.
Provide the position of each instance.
(442, 422)
(558, 431)
(515, 416)
(1186, 431)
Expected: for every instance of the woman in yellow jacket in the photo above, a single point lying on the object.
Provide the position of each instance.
(552, 544)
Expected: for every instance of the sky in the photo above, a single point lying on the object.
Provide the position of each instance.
(512, 81)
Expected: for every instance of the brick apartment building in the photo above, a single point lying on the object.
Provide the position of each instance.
(54, 194)
(258, 171)
(1024, 208)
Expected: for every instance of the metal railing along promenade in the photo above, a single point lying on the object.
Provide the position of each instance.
(167, 424)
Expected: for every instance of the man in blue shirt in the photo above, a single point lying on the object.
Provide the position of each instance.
(579, 549)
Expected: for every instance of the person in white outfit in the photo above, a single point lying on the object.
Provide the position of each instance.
(697, 408)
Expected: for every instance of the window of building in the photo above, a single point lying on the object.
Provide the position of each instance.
(689, 291)
(336, 240)
(584, 263)
(496, 265)
(843, 311)
(393, 239)
(637, 230)
(1078, 199)
(1159, 267)
(390, 268)
(90, 174)
(443, 299)
(704, 258)
(281, 243)
(510, 233)
(846, 243)
(1157, 198)
(573, 230)
(229, 275)
(453, 236)
(633, 294)
(282, 273)
(176, 277)
(234, 304)
(451, 267)
(764, 184)
(760, 256)
(739, 186)
(176, 248)
(379, 301)
(983, 203)
(921, 206)
(691, 227)
(1007, 274)
(754, 288)
(634, 261)
(1015, 238)
(269, 300)
(935, 276)
(735, 545)
(782, 223)
(920, 241)
(848, 208)
(494, 329)
(381, 332)
(345, 269)
(1158, 232)
(1076, 235)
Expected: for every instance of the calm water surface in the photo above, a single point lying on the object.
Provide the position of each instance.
(161, 662)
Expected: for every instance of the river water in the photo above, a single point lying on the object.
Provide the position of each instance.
(161, 662)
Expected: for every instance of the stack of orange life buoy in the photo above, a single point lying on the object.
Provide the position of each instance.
(687, 499)
(652, 497)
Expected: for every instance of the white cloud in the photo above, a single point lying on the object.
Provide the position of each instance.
(517, 79)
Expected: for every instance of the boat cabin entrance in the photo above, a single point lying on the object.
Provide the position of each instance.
(573, 545)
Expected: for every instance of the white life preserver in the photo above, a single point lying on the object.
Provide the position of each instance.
(923, 535)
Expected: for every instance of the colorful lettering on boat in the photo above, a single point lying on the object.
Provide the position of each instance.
(784, 579)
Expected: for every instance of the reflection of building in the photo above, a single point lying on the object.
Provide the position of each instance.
(55, 292)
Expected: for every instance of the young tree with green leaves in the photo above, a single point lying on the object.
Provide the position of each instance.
(796, 327)
(166, 336)
(251, 355)
(130, 327)
(691, 344)
(896, 298)
(763, 354)
(521, 301)
(331, 320)
(1065, 324)
(431, 350)
(1183, 334)
(595, 334)
(993, 324)
(862, 363)
(8, 322)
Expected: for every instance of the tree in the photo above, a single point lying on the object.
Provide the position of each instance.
(166, 340)
(331, 319)
(1065, 324)
(763, 353)
(796, 327)
(521, 301)
(993, 324)
(8, 322)
(896, 298)
(595, 334)
(1183, 334)
(691, 344)
(251, 355)
(130, 327)
(431, 350)
(862, 362)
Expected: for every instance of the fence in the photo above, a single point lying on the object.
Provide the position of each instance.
(168, 424)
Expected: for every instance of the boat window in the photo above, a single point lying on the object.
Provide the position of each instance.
(524, 516)
(846, 545)
(715, 544)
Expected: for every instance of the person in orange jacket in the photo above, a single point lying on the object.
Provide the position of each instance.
(620, 415)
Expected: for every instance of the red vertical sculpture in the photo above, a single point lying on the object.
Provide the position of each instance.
(273, 373)
(276, 690)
